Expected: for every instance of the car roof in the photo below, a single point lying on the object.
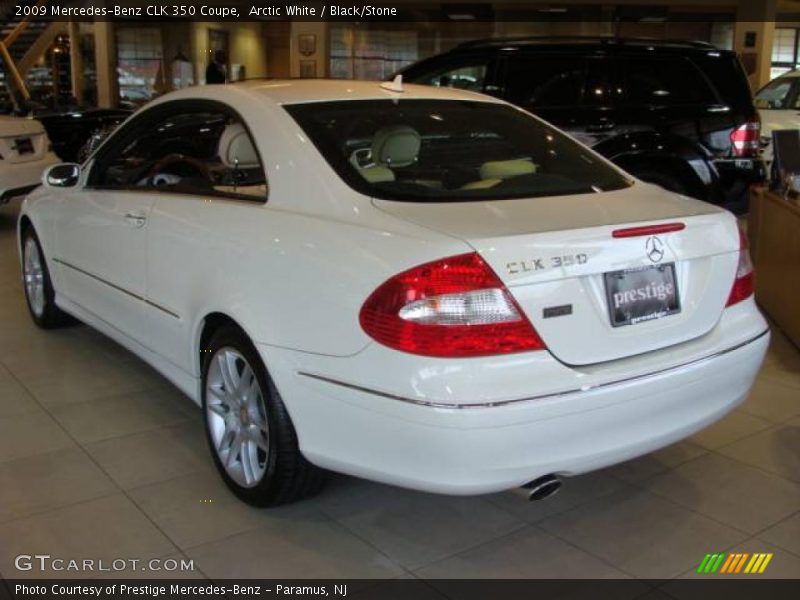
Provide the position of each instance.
(300, 91)
(584, 42)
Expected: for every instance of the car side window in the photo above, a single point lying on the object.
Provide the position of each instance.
(200, 152)
(775, 95)
(470, 77)
(664, 81)
(546, 80)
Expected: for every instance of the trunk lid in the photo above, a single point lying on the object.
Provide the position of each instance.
(21, 140)
(553, 254)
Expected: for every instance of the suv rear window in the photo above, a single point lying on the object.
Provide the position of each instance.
(664, 81)
(725, 73)
(443, 150)
(547, 80)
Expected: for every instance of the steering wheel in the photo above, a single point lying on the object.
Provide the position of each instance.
(187, 163)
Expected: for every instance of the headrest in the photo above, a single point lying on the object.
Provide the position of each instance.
(506, 169)
(395, 146)
(234, 143)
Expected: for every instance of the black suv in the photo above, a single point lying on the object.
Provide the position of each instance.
(678, 114)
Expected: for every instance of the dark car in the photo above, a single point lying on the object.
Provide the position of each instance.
(73, 133)
(678, 114)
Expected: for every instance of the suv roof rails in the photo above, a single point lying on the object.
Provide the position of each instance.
(533, 39)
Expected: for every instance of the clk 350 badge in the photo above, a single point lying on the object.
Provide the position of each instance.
(538, 264)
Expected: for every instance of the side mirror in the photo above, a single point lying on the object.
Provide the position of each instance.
(63, 175)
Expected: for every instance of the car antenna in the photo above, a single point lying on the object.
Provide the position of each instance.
(395, 85)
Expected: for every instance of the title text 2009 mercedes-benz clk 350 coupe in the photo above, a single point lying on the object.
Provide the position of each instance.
(424, 287)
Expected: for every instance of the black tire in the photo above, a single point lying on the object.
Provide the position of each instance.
(50, 316)
(666, 180)
(287, 476)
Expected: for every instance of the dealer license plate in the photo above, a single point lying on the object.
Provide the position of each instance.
(643, 294)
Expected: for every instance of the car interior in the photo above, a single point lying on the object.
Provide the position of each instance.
(434, 150)
(195, 153)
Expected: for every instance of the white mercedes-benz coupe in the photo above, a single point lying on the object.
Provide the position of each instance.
(420, 286)
(24, 154)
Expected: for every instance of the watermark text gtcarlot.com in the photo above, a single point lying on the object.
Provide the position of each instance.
(46, 562)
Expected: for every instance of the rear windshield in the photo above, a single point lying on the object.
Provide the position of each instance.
(725, 73)
(450, 150)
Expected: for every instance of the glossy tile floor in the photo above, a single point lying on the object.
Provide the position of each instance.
(100, 458)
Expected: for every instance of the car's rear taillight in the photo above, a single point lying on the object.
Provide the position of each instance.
(743, 285)
(454, 307)
(746, 139)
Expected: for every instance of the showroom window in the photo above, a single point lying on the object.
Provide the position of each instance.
(204, 153)
(784, 51)
(139, 57)
(362, 53)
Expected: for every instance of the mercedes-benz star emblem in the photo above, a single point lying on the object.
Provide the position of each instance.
(654, 248)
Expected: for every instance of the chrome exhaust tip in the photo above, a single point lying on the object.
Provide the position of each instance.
(540, 488)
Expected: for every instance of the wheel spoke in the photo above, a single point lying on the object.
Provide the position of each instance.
(258, 440)
(219, 408)
(248, 464)
(227, 372)
(236, 449)
(225, 441)
(219, 395)
(246, 382)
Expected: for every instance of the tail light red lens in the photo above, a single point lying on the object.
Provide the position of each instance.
(744, 284)
(746, 139)
(454, 307)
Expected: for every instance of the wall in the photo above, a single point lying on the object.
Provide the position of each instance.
(320, 57)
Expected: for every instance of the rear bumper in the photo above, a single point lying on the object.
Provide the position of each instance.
(20, 178)
(482, 448)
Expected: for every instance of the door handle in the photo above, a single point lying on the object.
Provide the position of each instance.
(135, 220)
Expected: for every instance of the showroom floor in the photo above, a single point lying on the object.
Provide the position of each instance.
(101, 458)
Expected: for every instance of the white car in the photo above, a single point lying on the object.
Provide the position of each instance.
(420, 286)
(778, 105)
(24, 155)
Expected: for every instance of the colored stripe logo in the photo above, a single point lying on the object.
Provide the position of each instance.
(735, 562)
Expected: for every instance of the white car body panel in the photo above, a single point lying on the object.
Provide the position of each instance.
(21, 171)
(101, 247)
(773, 119)
(295, 271)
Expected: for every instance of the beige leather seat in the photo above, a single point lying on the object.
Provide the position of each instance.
(494, 171)
(392, 146)
(236, 150)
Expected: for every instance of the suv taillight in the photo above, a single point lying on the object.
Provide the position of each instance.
(743, 285)
(746, 139)
(454, 307)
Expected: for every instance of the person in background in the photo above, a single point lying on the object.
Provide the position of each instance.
(216, 70)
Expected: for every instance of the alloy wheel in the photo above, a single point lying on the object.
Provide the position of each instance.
(237, 417)
(33, 275)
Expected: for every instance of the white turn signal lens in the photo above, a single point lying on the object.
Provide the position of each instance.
(481, 307)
